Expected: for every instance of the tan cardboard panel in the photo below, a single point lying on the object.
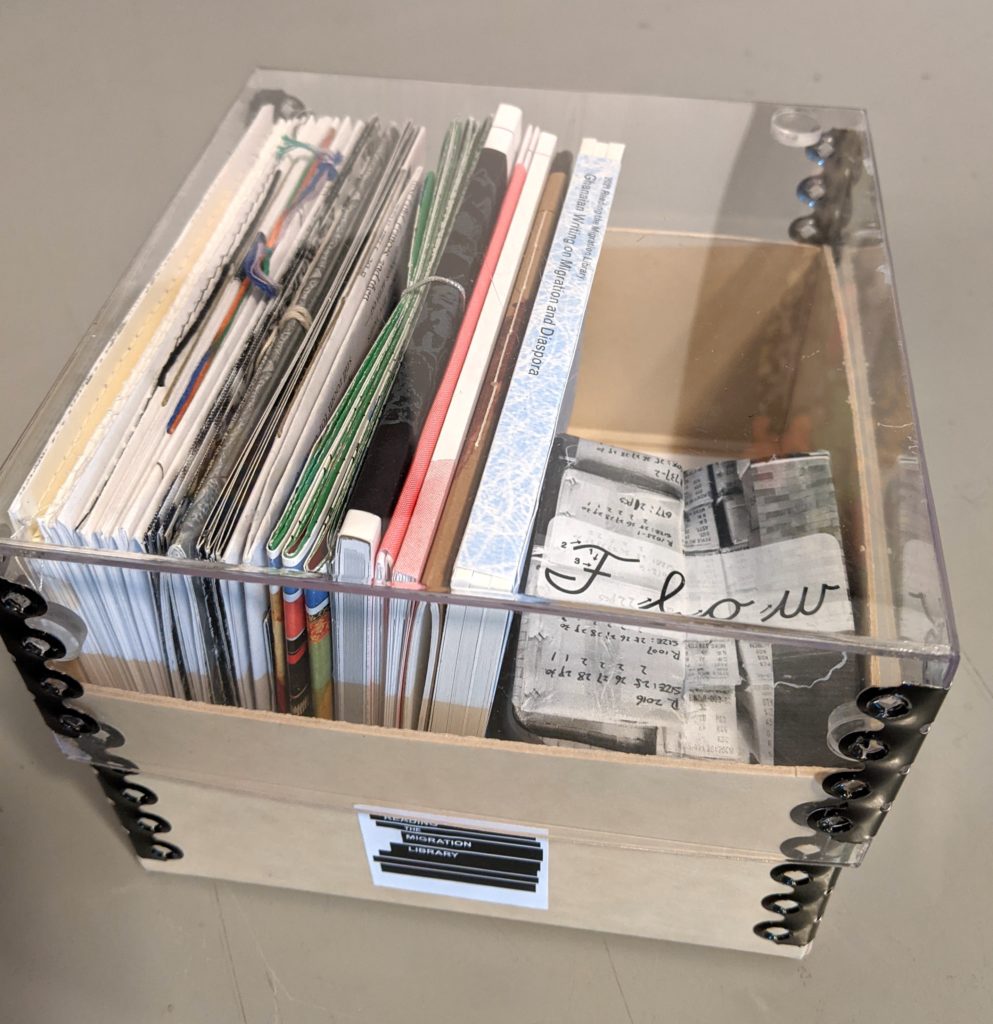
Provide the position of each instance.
(723, 805)
(709, 901)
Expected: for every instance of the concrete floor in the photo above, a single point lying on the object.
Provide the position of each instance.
(105, 107)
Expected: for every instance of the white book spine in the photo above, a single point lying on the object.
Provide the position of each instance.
(496, 537)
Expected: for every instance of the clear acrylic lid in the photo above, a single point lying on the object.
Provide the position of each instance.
(743, 311)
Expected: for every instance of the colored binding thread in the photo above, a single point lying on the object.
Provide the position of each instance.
(256, 265)
(325, 168)
(191, 389)
(254, 269)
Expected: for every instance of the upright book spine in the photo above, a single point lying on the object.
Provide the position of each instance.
(479, 434)
(431, 429)
(495, 542)
(383, 470)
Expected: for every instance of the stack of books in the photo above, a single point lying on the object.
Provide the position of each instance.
(355, 363)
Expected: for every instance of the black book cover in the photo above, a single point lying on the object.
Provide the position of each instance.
(391, 449)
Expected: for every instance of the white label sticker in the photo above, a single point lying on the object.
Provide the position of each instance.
(463, 857)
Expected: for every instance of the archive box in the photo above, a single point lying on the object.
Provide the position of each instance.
(742, 313)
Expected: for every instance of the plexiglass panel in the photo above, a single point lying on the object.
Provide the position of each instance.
(667, 498)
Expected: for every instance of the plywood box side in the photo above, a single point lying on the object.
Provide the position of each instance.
(708, 804)
(241, 837)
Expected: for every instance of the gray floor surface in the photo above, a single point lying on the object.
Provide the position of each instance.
(105, 106)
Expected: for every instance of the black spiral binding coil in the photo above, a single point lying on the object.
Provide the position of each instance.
(828, 194)
(800, 907)
(285, 105)
(53, 691)
(895, 721)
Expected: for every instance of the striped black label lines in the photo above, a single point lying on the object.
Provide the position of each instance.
(458, 854)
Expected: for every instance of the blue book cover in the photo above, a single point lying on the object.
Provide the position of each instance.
(495, 542)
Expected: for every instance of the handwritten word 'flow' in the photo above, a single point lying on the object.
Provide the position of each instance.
(725, 609)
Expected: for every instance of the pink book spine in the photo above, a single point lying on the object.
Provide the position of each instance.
(423, 523)
(407, 501)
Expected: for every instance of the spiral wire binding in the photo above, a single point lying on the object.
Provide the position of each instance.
(828, 193)
(52, 690)
(896, 720)
(284, 105)
(801, 907)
